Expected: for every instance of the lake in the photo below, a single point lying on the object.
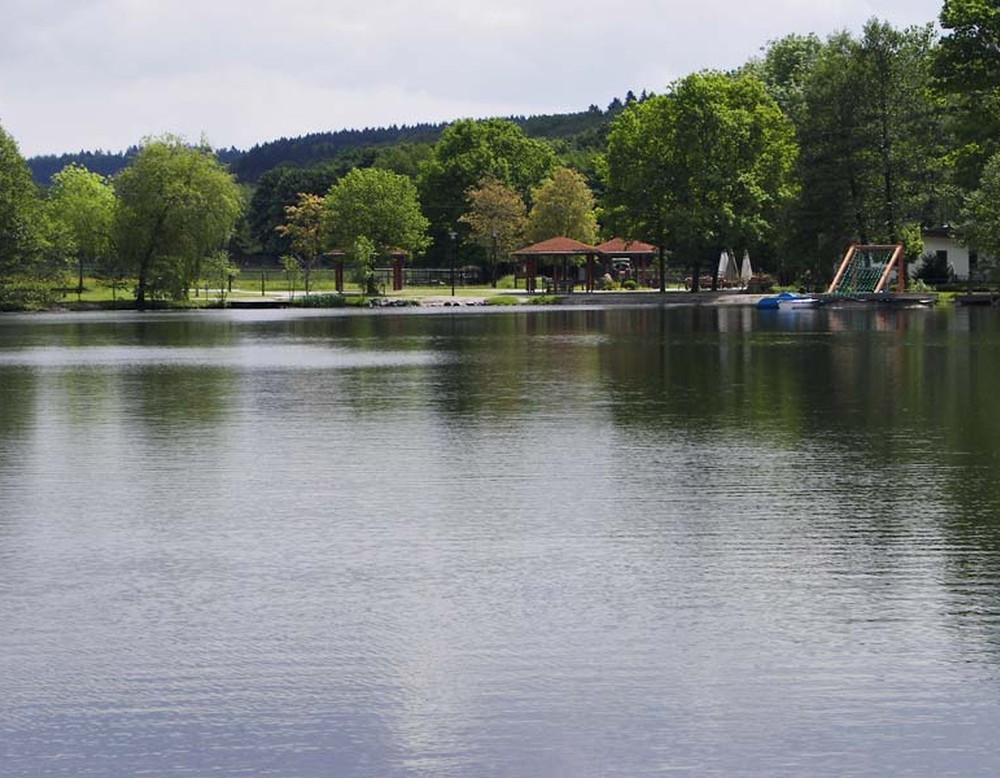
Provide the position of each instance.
(546, 542)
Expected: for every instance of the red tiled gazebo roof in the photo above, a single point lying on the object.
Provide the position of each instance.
(621, 247)
(557, 247)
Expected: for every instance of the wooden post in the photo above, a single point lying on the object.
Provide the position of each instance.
(397, 274)
(843, 268)
(897, 260)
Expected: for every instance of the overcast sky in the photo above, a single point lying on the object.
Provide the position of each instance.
(102, 74)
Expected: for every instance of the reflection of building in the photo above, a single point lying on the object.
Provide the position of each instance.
(941, 245)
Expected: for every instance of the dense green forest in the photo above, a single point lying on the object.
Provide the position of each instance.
(318, 147)
(811, 146)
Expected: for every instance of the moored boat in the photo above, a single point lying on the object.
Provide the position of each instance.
(789, 300)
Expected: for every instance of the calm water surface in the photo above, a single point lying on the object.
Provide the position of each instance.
(544, 543)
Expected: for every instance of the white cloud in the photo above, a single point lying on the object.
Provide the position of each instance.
(103, 73)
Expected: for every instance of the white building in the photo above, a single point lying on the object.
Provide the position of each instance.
(942, 244)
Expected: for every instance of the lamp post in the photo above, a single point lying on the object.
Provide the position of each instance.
(454, 252)
(496, 234)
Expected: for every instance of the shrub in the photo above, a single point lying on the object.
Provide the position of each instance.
(934, 269)
(606, 283)
(26, 294)
(329, 301)
(501, 299)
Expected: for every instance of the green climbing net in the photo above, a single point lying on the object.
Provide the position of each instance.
(862, 270)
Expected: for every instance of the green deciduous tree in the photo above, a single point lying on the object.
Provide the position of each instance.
(404, 158)
(82, 204)
(177, 205)
(305, 228)
(639, 192)
(967, 68)
(496, 220)
(980, 225)
(279, 188)
(785, 69)
(563, 206)
(706, 166)
(218, 268)
(21, 220)
(378, 205)
(470, 150)
(905, 122)
(873, 144)
(363, 253)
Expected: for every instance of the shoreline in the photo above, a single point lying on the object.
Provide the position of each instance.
(615, 299)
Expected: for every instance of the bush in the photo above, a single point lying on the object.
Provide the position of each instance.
(606, 283)
(502, 299)
(26, 294)
(934, 270)
(328, 301)
(631, 285)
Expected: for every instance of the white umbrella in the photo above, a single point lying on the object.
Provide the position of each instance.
(746, 270)
(732, 272)
(723, 264)
(727, 269)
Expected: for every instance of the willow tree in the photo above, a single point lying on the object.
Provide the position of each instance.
(706, 166)
(177, 205)
(20, 221)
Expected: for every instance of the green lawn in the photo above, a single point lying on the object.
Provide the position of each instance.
(248, 286)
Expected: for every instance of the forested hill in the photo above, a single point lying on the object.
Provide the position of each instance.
(107, 163)
(313, 148)
(318, 147)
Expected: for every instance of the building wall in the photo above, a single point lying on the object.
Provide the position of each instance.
(957, 254)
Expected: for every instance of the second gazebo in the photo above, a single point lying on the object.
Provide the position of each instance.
(559, 250)
(639, 254)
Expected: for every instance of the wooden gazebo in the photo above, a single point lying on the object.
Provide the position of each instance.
(396, 275)
(337, 257)
(398, 257)
(639, 253)
(560, 248)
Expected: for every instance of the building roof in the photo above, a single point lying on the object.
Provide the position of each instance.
(558, 246)
(621, 247)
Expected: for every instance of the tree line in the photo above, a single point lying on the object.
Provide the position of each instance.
(811, 146)
(319, 147)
